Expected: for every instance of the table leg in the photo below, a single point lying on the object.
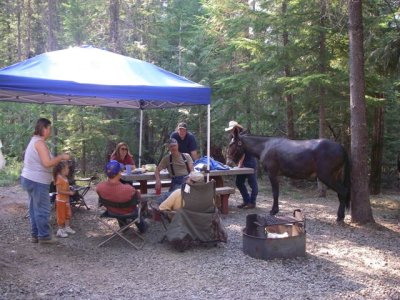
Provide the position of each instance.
(143, 186)
(219, 181)
(224, 204)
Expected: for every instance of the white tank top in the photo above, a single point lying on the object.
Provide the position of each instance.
(33, 168)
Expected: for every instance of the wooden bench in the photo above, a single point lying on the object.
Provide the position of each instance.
(224, 192)
(152, 184)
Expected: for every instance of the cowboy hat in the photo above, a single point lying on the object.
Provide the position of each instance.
(233, 124)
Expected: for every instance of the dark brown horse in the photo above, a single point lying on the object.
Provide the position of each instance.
(299, 159)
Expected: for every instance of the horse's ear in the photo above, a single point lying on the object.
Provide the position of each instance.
(244, 131)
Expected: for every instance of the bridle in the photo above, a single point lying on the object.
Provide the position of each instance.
(233, 157)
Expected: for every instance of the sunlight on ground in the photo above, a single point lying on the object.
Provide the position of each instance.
(235, 228)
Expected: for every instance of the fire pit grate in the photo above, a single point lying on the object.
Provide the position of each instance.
(269, 237)
(273, 220)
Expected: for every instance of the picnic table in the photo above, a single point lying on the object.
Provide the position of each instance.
(147, 179)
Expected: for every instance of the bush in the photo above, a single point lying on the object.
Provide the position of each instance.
(10, 174)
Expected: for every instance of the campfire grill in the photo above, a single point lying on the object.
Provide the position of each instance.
(269, 237)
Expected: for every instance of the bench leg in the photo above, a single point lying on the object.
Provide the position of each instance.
(224, 204)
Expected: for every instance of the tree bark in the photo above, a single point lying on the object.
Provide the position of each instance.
(114, 24)
(54, 136)
(83, 160)
(28, 29)
(51, 46)
(19, 30)
(361, 211)
(322, 92)
(52, 6)
(288, 98)
(377, 151)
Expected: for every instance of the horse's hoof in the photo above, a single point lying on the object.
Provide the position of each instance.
(273, 212)
(340, 221)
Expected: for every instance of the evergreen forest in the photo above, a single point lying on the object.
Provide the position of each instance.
(278, 67)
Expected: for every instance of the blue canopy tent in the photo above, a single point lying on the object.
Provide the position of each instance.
(94, 77)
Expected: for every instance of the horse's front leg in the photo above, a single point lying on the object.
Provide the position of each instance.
(341, 210)
(275, 194)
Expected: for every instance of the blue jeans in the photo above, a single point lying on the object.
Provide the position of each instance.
(39, 207)
(176, 183)
(252, 181)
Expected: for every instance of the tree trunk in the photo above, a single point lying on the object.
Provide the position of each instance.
(377, 151)
(19, 30)
(288, 98)
(322, 92)
(28, 29)
(52, 24)
(114, 25)
(54, 131)
(51, 46)
(83, 161)
(361, 211)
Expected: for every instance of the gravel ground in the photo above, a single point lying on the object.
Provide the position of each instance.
(342, 261)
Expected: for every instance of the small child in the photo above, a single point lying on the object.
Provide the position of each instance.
(63, 208)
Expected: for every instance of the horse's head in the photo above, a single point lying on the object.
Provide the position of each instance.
(235, 150)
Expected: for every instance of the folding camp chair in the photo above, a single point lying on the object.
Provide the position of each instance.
(78, 199)
(198, 221)
(125, 221)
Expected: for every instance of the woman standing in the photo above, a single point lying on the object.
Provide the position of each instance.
(248, 161)
(36, 177)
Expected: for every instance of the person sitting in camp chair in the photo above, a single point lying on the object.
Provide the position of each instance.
(175, 200)
(196, 219)
(114, 191)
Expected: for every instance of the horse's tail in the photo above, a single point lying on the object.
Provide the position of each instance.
(346, 179)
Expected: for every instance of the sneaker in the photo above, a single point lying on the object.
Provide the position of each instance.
(68, 229)
(49, 241)
(62, 233)
(249, 206)
(34, 239)
(143, 226)
(242, 205)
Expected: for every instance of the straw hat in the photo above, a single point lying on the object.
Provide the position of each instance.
(196, 176)
(233, 124)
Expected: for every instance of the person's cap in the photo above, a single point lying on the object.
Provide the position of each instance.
(172, 141)
(113, 168)
(196, 176)
(233, 124)
(182, 125)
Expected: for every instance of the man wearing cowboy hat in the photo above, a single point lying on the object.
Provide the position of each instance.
(248, 161)
(186, 140)
(233, 125)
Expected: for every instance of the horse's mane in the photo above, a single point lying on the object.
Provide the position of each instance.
(247, 133)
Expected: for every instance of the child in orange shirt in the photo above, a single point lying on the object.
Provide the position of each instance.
(63, 208)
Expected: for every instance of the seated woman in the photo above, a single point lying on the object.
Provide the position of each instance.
(122, 155)
(114, 191)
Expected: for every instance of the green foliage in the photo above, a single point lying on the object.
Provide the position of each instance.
(234, 47)
(10, 174)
